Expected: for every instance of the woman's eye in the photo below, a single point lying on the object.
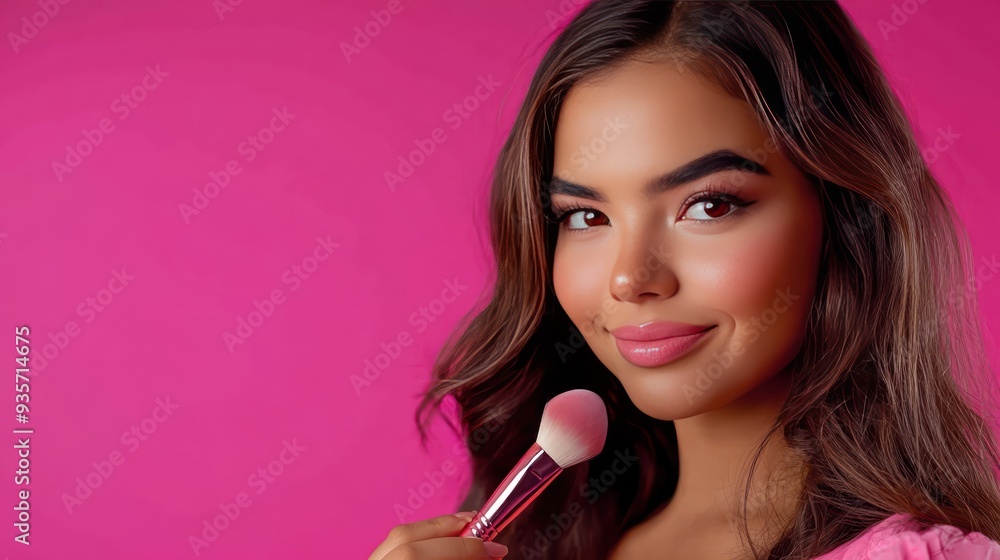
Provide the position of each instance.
(583, 219)
(706, 207)
(710, 208)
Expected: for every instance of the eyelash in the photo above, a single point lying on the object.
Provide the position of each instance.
(715, 192)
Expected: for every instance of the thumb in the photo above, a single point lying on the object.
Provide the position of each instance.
(435, 527)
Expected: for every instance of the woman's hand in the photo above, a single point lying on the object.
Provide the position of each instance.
(436, 539)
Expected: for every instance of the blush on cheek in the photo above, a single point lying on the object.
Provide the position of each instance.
(770, 299)
(761, 274)
(729, 275)
(581, 281)
(775, 254)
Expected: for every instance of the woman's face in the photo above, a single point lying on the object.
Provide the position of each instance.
(735, 272)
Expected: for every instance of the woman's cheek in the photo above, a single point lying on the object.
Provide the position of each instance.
(760, 282)
(726, 275)
(581, 283)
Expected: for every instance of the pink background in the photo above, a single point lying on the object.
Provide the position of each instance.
(64, 236)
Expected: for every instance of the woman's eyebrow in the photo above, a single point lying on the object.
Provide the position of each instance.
(712, 162)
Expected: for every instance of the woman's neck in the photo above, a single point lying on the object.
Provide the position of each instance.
(716, 449)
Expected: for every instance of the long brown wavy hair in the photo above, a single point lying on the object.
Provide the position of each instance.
(892, 396)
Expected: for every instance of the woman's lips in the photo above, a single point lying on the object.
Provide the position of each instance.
(653, 353)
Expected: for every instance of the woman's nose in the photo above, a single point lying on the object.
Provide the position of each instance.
(642, 270)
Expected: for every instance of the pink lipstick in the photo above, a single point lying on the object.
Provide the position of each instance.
(656, 343)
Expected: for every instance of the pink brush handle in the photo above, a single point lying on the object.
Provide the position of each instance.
(522, 485)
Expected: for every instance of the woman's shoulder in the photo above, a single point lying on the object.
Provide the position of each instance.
(899, 537)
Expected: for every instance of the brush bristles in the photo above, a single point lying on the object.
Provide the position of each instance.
(574, 427)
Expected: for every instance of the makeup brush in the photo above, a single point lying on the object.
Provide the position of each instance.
(573, 429)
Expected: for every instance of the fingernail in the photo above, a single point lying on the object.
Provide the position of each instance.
(465, 515)
(496, 550)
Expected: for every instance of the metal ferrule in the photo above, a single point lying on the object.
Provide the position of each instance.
(526, 480)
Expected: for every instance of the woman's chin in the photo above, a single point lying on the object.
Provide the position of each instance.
(664, 398)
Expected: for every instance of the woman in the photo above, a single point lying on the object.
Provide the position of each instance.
(715, 216)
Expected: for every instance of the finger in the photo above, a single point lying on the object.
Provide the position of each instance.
(435, 527)
(449, 548)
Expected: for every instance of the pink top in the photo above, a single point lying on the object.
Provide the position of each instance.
(898, 538)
